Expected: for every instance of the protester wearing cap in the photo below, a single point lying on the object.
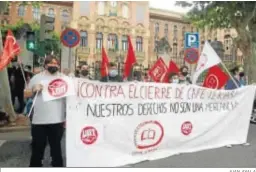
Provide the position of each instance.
(48, 117)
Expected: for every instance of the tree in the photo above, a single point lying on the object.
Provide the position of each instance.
(20, 29)
(5, 92)
(240, 15)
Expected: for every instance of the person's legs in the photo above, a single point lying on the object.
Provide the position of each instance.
(39, 138)
(20, 95)
(55, 133)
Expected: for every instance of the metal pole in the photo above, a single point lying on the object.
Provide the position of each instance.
(60, 59)
(69, 59)
(75, 57)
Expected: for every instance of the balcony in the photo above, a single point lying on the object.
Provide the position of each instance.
(83, 50)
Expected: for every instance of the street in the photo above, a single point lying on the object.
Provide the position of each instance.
(15, 152)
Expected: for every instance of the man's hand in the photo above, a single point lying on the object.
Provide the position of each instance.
(28, 93)
(38, 88)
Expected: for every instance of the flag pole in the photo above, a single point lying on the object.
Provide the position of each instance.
(229, 74)
(33, 104)
(22, 71)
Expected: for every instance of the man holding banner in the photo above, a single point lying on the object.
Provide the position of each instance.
(48, 117)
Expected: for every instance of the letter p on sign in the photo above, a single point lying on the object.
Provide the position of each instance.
(192, 40)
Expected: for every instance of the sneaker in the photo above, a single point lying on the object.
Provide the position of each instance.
(229, 146)
(246, 144)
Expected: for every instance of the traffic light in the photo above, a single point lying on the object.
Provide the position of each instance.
(46, 27)
(31, 41)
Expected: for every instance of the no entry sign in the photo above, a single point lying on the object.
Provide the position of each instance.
(70, 37)
(191, 55)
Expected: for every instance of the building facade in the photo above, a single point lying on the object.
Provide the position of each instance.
(61, 11)
(108, 23)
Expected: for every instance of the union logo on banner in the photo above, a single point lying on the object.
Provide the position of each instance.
(57, 88)
(158, 70)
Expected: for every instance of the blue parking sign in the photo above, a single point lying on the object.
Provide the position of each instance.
(191, 40)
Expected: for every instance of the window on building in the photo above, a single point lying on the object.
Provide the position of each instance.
(192, 29)
(156, 28)
(4, 22)
(36, 13)
(113, 8)
(84, 39)
(51, 12)
(99, 40)
(125, 11)
(156, 44)
(139, 44)
(166, 30)
(175, 50)
(112, 42)
(175, 31)
(65, 16)
(227, 44)
(183, 32)
(124, 42)
(6, 11)
(63, 26)
(101, 8)
(113, 3)
(21, 10)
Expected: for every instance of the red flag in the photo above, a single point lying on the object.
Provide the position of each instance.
(158, 70)
(173, 68)
(11, 49)
(104, 63)
(215, 78)
(130, 59)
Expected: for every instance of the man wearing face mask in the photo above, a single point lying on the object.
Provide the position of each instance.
(184, 78)
(84, 73)
(174, 78)
(113, 74)
(48, 117)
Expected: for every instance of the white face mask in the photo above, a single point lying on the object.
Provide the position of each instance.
(113, 73)
(176, 81)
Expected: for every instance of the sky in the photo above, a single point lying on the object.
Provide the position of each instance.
(167, 5)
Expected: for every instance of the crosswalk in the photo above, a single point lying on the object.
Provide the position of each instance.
(2, 142)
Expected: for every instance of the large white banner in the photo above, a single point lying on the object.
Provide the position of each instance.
(115, 124)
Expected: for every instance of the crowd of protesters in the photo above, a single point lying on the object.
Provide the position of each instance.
(48, 117)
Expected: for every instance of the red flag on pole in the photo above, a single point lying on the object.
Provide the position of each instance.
(130, 59)
(158, 70)
(104, 63)
(11, 49)
(173, 68)
(215, 78)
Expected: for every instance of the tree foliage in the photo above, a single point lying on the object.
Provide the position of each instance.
(5, 93)
(18, 30)
(239, 15)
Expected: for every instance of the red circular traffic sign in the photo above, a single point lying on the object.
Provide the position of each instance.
(191, 55)
(70, 37)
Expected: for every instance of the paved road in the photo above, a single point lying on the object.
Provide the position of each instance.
(15, 152)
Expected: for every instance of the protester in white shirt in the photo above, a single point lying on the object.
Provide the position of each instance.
(48, 117)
